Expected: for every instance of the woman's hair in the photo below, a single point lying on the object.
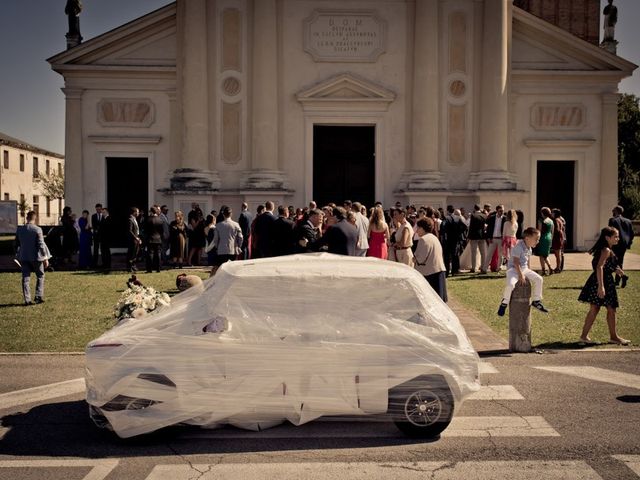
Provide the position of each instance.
(179, 216)
(512, 216)
(426, 224)
(602, 240)
(377, 217)
(546, 212)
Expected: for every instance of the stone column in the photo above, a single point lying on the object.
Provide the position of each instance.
(265, 173)
(73, 166)
(424, 173)
(493, 149)
(194, 171)
(609, 157)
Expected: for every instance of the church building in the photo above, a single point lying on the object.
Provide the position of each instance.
(426, 102)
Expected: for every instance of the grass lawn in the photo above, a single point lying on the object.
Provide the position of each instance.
(563, 325)
(78, 308)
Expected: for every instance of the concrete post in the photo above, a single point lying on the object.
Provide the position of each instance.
(520, 318)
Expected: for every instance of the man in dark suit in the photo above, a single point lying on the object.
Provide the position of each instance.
(245, 219)
(133, 239)
(477, 226)
(452, 232)
(263, 230)
(342, 237)
(33, 256)
(154, 229)
(282, 233)
(96, 221)
(308, 233)
(625, 228)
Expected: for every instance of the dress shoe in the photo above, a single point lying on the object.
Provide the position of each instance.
(623, 283)
(27, 303)
(38, 300)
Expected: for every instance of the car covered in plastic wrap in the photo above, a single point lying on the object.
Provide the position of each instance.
(291, 339)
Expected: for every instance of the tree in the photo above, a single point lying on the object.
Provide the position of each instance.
(52, 185)
(629, 154)
(23, 207)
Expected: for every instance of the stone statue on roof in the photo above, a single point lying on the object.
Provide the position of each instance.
(610, 13)
(72, 10)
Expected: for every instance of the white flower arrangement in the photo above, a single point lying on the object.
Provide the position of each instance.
(136, 301)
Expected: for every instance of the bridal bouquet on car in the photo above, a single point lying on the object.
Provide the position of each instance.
(138, 300)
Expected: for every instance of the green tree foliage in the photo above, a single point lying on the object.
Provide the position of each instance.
(52, 185)
(629, 154)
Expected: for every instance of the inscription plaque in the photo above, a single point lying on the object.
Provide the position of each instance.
(345, 36)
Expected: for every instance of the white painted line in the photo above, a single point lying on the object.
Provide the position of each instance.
(496, 392)
(598, 374)
(632, 461)
(486, 367)
(460, 427)
(499, 427)
(100, 470)
(489, 470)
(41, 393)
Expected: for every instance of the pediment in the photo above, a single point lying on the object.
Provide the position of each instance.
(147, 41)
(540, 45)
(346, 89)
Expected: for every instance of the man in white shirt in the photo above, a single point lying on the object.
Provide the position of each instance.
(494, 237)
(362, 225)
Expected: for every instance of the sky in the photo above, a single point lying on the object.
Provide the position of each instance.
(32, 104)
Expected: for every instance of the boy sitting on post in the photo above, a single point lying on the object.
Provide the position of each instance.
(518, 271)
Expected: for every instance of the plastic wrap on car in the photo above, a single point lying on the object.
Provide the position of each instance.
(281, 339)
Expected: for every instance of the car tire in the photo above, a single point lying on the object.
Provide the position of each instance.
(422, 407)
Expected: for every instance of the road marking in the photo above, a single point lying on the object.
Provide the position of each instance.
(598, 374)
(100, 470)
(496, 392)
(632, 461)
(488, 470)
(486, 367)
(41, 393)
(460, 427)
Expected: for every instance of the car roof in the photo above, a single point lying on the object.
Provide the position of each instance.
(318, 264)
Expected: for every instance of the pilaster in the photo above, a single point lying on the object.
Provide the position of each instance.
(74, 169)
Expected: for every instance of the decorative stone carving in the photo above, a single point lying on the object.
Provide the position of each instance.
(457, 88)
(423, 181)
(265, 180)
(231, 132)
(194, 180)
(558, 116)
(231, 40)
(345, 35)
(231, 86)
(126, 112)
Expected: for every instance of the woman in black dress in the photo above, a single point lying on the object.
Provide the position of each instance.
(600, 289)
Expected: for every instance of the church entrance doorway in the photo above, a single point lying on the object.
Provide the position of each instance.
(127, 186)
(344, 164)
(555, 189)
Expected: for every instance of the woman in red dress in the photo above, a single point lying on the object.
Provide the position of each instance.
(378, 235)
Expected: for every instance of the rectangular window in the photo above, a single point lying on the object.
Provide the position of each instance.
(59, 206)
(48, 206)
(22, 162)
(46, 169)
(35, 167)
(36, 199)
(22, 198)
(5, 159)
(59, 168)
(6, 196)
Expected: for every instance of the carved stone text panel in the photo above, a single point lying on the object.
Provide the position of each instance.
(558, 116)
(126, 112)
(345, 36)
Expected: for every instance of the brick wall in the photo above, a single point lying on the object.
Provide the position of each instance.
(580, 17)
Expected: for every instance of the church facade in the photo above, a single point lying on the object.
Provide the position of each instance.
(431, 102)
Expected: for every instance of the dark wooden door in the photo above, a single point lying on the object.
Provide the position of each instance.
(344, 164)
(556, 188)
(127, 186)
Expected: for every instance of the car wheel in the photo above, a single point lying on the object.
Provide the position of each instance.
(421, 407)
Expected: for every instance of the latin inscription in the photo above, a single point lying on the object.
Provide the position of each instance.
(344, 36)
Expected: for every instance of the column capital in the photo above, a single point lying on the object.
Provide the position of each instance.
(73, 93)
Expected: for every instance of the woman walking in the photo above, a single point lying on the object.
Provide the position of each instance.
(544, 246)
(600, 289)
(378, 235)
(178, 239)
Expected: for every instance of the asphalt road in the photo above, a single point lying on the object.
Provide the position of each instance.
(535, 421)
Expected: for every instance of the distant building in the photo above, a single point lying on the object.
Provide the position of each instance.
(21, 165)
(431, 102)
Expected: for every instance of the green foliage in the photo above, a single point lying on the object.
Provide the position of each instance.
(52, 185)
(563, 325)
(629, 154)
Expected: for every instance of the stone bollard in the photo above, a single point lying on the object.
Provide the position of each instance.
(520, 318)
